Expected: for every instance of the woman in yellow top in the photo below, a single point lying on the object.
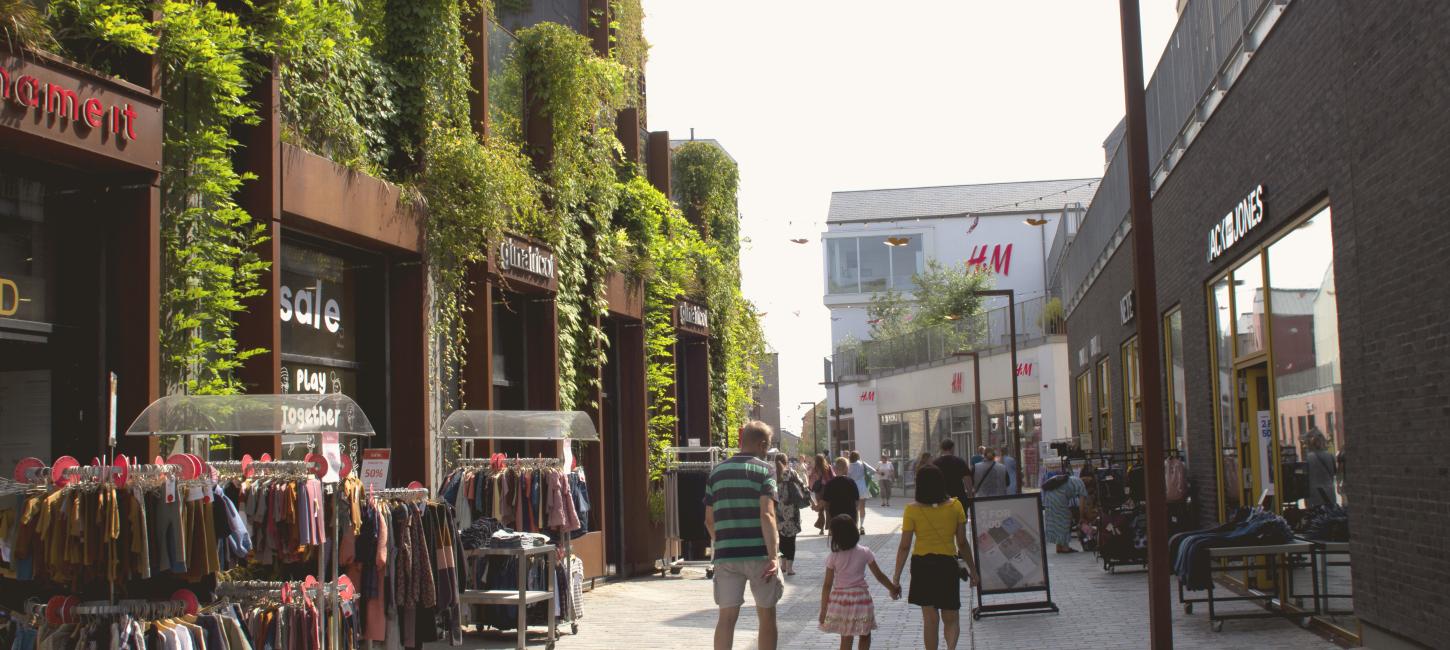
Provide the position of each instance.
(939, 527)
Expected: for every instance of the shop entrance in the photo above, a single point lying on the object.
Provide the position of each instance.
(1256, 444)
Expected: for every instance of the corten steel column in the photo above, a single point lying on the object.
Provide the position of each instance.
(1145, 292)
(258, 326)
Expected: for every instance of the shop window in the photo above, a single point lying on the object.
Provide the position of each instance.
(1084, 421)
(1105, 406)
(872, 264)
(1230, 476)
(1177, 391)
(1248, 280)
(1132, 395)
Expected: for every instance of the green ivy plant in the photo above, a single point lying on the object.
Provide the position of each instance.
(706, 182)
(211, 263)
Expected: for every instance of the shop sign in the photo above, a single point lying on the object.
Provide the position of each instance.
(1125, 308)
(522, 259)
(1026, 369)
(375, 468)
(868, 396)
(316, 308)
(1001, 258)
(692, 317)
(21, 297)
(1230, 230)
(956, 382)
(63, 105)
(312, 417)
(303, 379)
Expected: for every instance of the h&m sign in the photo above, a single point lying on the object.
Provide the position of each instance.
(1001, 258)
(868, 396)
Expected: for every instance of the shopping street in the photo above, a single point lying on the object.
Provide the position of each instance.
(1101, 609)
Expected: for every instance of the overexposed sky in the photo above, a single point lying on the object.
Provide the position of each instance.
(814, 96)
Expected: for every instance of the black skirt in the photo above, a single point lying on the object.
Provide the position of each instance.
(934, 582)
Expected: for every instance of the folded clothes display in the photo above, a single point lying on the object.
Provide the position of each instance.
(1190, 550)
(510, 539)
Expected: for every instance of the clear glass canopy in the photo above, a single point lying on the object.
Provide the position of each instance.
(252, 415)
(520, 425)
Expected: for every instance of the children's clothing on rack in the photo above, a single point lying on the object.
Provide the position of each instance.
(526, 495)
(402, 557)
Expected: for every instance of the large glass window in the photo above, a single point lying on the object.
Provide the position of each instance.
(1232, 492)
(1132, 396)
(1306, 354)
(874, 263)
(1177, 393)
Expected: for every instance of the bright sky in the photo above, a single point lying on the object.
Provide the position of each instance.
(814, 96)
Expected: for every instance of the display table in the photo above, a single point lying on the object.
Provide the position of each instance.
(1322, 563)
(1272, 558)
(522, 597)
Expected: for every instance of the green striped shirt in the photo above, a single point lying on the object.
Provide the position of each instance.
(734, 490)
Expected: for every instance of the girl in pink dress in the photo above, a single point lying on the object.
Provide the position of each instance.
(846, 607)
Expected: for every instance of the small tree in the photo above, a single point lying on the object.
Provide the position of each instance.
(888, 315)
(949, 295)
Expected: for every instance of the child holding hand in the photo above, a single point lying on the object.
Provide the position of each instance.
(846, 607)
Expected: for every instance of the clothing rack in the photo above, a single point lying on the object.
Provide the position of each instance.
(683, 460)
(560, 427)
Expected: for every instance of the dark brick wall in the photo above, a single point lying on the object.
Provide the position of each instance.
(1097, 315)
(1346, 101)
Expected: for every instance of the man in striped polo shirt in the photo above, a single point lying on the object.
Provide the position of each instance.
(740, 515)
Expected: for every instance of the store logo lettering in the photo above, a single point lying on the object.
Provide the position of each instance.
(307, 307)
(29, 92)
(9, 297)
(315, 416)
(527, 258)
(691, 314)
(1235, 225)
(1001, 258)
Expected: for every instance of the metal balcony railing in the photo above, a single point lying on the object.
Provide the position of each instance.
(938, 344)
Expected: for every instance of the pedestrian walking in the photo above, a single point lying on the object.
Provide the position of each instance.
(846, 606)
(989, 478)
(740, 517)
(934, 536)
(857, 469)
(1010, 464)
(839, 496)
(791, 496)
(977, 457)
(820, 474)
(954, 471)
(1058, 494)
(886, 475)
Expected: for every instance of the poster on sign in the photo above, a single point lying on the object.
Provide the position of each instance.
(375, 468)
(332, 451)
(1011, 553)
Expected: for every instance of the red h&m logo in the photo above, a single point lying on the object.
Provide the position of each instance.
(956, 382)
(868, 395)
(1001, 258)
(1025, 369)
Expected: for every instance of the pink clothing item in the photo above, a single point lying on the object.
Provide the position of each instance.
(850, 567)
(561, 504)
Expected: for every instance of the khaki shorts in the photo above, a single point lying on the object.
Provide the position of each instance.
(730, 580)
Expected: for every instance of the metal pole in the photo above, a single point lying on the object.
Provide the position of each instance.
(1145, 293)
(976, 397)
(1016, 404)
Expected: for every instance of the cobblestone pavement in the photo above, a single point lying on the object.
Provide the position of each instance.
(1099, 610)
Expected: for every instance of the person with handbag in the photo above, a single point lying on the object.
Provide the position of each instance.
(819, 475)
(934, 536)
(864, 476)
(791, 496)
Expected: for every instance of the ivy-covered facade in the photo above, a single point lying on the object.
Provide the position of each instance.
(399, 200)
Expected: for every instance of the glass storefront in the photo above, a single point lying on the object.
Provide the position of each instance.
(1277, 379)
(1132, 395)
(1105, 407)
(1177, 391)
(25, 362)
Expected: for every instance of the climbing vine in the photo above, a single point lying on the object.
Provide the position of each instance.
(706, 181)
(577, 94)
(211, 265)
(629, 48)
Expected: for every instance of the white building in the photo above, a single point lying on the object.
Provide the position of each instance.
(902, 397)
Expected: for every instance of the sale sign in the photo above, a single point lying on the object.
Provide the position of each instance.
(375, 468)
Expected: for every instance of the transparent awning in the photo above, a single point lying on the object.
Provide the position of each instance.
(520, 425)
(252, 415)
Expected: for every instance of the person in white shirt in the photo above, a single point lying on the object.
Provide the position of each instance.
(857, 472)
(886, 476)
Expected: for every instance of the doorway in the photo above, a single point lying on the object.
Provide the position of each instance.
(1256, 444)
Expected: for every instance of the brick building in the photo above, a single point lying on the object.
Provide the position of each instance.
(1296, 147)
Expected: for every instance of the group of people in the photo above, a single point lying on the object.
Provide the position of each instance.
(753, 513)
